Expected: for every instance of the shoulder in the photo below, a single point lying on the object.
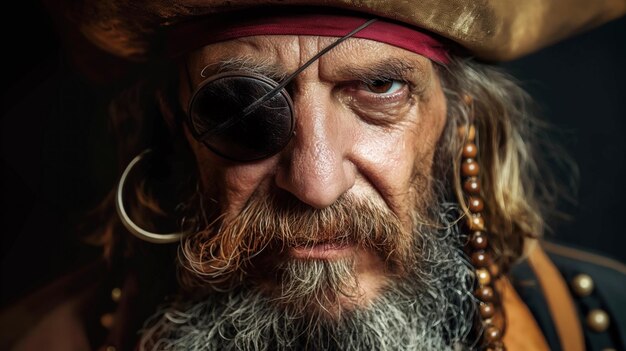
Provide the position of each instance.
(588, 288)
(598, 285)
(608, 275)
(36, 321)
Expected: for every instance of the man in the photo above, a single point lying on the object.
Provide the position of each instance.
(340, 181)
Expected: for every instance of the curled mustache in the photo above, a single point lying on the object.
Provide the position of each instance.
(219, 255)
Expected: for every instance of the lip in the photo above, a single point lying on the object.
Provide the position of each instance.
(322, 251)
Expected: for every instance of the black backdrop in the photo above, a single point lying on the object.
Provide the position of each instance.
(57, 162)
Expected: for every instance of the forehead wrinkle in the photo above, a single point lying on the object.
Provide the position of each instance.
(358, 58)
(256, 54)
(353, 59)
(254, 64)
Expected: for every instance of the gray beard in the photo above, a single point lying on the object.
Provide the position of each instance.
(431, 308)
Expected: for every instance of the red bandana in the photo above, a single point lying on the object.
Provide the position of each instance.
(198, 34)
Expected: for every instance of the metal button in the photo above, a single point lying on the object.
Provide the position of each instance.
(116, 294)
(582, 285)
(598, 320)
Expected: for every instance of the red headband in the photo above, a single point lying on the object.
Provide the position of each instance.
(198, 34)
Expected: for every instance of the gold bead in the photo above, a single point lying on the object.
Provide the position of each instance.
(483, 276)
(475, 204)
(582, 285)
(470, 150)
(598, 320)
(471, 186)
(471, 135)
(110, 348)
(486, 310)
(107, 320)
(470, 168)
(484, 294)
(116, 294)
(480, 259)
(492, 334)
(476, 223)
(479, 241)
(470, 132)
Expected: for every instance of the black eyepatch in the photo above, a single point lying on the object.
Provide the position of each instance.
(243, 116)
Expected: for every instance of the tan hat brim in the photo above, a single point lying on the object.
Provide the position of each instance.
(493, 30)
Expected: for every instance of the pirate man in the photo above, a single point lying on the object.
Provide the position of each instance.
(337, 175)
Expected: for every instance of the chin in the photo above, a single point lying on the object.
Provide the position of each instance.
(349, 298)
(324, 281)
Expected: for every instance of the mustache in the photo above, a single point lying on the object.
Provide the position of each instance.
(219, 255)
(430, 308)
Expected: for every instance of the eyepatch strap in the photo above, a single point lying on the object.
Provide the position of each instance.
(280, 86)
(248, 110)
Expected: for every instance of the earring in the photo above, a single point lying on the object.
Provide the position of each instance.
(132, 227)
(478, 245)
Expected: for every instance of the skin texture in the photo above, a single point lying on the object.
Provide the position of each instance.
(349, 139)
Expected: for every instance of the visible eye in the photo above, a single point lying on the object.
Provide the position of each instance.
(384, 86)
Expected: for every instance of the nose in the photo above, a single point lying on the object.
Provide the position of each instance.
(317, 167)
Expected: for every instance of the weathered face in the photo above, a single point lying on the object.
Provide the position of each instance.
(368, 119)
(341, 240)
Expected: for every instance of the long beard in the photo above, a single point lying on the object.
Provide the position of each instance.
(425, 306)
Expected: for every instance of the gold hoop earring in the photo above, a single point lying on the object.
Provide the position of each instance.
(131, 226)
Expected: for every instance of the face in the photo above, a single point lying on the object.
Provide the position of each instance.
(329, 243)
(368, 118)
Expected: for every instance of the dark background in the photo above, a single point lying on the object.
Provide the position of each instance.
(57, 161)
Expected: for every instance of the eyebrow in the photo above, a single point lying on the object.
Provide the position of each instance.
(392, 68)
(248, 64)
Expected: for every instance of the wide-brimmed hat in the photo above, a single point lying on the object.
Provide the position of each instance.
(492, 30)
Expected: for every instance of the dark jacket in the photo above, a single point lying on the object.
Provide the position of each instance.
(90, 310)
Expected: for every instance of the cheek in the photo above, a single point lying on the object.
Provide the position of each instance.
(425, 145)
(399, 159)
(231, 184)
(429, 128)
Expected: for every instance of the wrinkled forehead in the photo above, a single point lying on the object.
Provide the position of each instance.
(278, 55)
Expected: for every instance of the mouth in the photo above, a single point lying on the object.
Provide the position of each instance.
(328, 250)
